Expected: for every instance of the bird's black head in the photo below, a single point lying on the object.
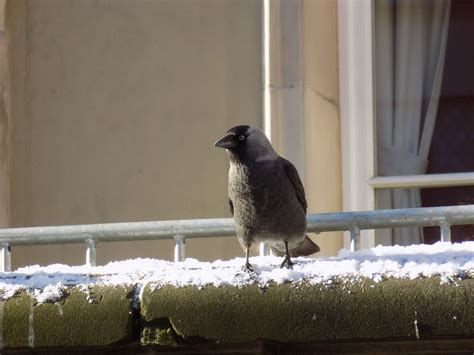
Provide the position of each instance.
(234, 138)
(246, 143)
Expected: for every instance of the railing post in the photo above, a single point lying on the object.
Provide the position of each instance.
(179, 247)
(355, 238)
(91, 252)
(6, 257)
(445, 232)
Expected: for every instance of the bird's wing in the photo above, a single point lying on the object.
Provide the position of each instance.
(295, 180)
(231, 205)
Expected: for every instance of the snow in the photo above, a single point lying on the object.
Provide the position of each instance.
(449, 261)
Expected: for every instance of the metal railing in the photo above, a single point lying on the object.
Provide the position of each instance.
(180, 230)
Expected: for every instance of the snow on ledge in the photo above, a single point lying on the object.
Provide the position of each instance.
(449, 261)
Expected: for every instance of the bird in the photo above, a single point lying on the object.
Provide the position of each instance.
(266, 196)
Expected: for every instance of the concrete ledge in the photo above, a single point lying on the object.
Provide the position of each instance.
(436, 346)
(289, 316)
(390, 309)
(102, 316)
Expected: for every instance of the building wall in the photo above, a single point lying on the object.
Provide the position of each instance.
(115, 106)
(321, 114)
(303, 86)
(4, 181)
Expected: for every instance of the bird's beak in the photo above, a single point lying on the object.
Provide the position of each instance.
(228, 142)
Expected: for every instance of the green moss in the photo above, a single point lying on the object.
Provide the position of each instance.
(303, 313)
(100, 318)
(16, 320)
(363, 310)
(160, 332)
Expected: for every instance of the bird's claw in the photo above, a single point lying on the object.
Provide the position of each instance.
(248, 268)
(287, 263)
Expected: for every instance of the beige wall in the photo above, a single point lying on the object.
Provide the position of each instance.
(115, 106)
(305, 101)
(321, 114)
(4, 124)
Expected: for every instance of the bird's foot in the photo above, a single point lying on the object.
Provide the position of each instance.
(287, 263)
(248, 268)
(248, 271)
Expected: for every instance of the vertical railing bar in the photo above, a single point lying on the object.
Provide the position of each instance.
(179, 246)
(264, 249)
(91, 253)
(445, 229)
(355, 238)
(6, 257)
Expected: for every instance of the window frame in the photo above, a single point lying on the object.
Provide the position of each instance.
(357, 114)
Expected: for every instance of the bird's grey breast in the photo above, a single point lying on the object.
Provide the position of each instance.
(241, 192)
(265, 205)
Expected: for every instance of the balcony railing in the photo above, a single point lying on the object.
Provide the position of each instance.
(180, 230)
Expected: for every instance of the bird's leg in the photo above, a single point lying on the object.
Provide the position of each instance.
(287, 261)
(247, 266)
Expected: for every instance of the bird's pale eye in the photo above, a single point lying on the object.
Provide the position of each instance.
(241, 137)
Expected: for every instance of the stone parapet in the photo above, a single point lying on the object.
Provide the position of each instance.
(361, 310)
(182, 318)
(98, 316)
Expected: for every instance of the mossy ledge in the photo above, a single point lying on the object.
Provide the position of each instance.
(101, 316)
(395, 310)
(423, 308)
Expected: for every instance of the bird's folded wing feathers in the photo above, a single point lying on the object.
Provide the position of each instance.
(295, 180)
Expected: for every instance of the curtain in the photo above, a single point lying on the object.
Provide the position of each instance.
(410, 46)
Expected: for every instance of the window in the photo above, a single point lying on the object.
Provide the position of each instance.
(407, 108)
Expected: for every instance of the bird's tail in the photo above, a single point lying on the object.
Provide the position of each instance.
(305, 248)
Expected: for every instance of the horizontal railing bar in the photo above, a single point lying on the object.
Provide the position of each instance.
(378, 219)
(427, 180)
(116, 232)
(223, 227)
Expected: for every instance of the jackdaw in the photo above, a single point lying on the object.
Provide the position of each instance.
(266, 196)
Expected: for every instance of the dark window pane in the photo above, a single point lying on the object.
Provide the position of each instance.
(410, 53)
(432, 197)
(448, 196)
